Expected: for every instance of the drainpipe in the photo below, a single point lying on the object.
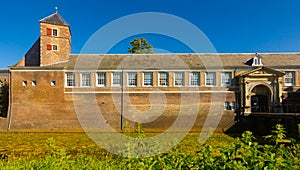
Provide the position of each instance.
(10, 100)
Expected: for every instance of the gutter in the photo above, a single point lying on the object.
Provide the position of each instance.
(10, 100)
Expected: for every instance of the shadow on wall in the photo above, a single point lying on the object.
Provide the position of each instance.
(4, 100)
(291, 102)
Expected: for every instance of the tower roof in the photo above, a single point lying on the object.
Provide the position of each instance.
(54, 19)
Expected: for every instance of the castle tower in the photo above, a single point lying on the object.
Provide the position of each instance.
(55, 40)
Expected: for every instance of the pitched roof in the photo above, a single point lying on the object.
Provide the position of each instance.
(179, 61)
(54, 19)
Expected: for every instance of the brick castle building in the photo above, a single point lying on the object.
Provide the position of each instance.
(48, 80)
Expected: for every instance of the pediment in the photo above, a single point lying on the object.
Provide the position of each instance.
(262, 71)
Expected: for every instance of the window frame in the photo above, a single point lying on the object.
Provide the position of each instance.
(133, 79)
(230, 79)
(83, 81)
(191, 76)
(74, 79)
(113, 78)
(214, 79)
(151, 80)
(97, 79)
(166, 79)
(292, 83)
(180, 78)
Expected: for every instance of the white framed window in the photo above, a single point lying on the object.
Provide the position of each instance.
(54, 32)
(226, 79)
(289, 78)
(163, 79)
(194, 79)
(101, 79)
(117, 79)
(210, 79)
(147, 79)
(132, 79)
(85, 79)
(179, 79)
(257, 61)
(70, 79)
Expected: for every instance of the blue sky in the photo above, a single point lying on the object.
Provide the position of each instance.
(232, 26)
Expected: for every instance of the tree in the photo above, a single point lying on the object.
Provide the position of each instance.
(140, 46)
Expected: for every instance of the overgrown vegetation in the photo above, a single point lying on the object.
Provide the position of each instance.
(219, 152)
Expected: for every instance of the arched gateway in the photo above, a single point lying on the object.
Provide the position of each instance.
(260, 90)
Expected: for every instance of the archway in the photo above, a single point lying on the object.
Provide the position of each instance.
(260, 98)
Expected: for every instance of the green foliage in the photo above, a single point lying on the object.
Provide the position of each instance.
(140, 46)
(242, 153)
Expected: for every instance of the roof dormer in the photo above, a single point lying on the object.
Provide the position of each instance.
(257, 61)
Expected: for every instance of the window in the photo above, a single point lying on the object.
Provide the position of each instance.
(52, 47)
(116, 79)
(53, 83)
(195, 79)
(101, 79)
(178, 79)
(24, 83)
(132, 79)
(70, 80)
(227, 106)
(33, 83)
(85, 79)
(52, 32)
(289, 79)
(226, 79)
(210, 78)
(148, 79)
(163, 78)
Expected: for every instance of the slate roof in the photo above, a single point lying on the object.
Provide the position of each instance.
(179, 61)
(175, 61)
(54, 19)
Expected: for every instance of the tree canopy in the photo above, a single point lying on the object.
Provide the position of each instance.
(140, 46)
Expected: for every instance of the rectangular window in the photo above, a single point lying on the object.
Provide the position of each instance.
(101, 79)
(85, 79)
(54, 32)
(163, 78)
(116, 79)
(210, 79)
(24, 83)
(227, 106)
(132, 79)
(289, 78)
(226, 79)
(33, 83)
(70, 80)
(195, 79)
(178, 79)
(52, 47)
(53, 83)
(148, 79)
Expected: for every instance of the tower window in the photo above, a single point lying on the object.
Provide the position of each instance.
(24, 83)
(53, 83)
(52, 47)
(52, 32)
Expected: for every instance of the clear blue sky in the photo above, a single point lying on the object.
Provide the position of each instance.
(232, 25)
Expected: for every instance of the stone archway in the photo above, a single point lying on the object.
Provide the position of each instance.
(261, 98)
